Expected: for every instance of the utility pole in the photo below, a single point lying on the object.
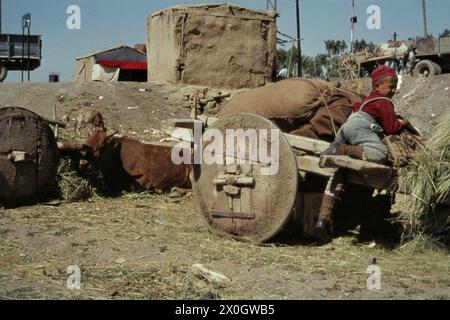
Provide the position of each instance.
(299, 46)
(28, 60)
(353, 21)
(0, 16)
(23, 47)
(26, 23)
(425, 23)
(395, 36)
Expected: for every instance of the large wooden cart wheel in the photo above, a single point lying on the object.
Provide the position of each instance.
(238, 199)
(349, 68)
(28, 156)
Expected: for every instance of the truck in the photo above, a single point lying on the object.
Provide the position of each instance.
(423, 56)
(19, 52)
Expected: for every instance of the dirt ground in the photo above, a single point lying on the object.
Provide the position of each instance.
(142, 246)
(424, 101)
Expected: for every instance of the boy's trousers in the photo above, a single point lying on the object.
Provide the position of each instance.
(362, 129)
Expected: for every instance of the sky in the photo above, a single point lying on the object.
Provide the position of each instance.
(107, 23)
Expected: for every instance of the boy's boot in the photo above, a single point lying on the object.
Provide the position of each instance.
(324, 225)
(356, 152)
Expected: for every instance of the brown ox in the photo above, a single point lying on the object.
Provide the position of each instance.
(129, 164)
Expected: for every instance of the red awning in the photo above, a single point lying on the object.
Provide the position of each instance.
(132, 65)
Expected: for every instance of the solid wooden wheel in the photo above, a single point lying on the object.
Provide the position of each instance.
(240, 199)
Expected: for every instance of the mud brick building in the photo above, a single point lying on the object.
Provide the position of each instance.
(218, 45)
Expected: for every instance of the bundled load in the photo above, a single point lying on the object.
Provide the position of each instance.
(429, 178)
(310, 108)
(402, 148)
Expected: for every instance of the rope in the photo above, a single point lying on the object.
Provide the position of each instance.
(342, 90)
(323, 100)
(329, 112)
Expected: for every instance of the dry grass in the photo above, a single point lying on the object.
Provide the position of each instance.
(158, 239)
(429, 177)
(69, 185)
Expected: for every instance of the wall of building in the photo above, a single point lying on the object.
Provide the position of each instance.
(216, 45)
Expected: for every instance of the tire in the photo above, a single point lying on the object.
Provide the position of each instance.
(438, 69)
(3, 73)
(426, 68)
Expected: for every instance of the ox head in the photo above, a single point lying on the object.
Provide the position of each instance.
(97, 149)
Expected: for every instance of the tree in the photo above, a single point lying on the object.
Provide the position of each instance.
(341, 45)
(282, 57)
(362, 44)
(309, 66)
(445, 33)
(329, 46)
(287, 58)
(322, 65)
(334, 47)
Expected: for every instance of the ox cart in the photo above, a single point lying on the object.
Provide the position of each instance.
(237, 199)
(423, 56)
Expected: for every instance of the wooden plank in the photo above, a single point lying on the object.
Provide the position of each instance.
(185, 123)
(232, 214)
(19, 156)
(307, 144)
(345, 162)
(234, 180)
(311, 164)
(362, 172)
(374, 179)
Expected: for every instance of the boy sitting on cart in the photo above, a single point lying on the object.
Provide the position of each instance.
(360, 138)
(373, 117)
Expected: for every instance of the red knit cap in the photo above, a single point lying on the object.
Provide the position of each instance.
(381, 72)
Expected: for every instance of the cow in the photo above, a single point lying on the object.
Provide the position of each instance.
(127, 164)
